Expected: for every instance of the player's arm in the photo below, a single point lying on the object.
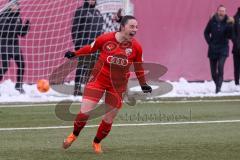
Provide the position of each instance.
(23, 29)
(139, 71)
(86, 50)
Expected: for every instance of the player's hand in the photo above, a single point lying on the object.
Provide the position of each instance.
(146, 88)
(69, 54)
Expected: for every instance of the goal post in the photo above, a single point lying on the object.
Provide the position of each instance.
(49, 35)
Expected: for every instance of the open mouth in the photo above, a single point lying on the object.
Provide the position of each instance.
(132, 34)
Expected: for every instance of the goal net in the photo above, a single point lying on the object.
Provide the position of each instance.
(36, 36)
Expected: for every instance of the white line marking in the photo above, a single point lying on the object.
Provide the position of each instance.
(195, 101)
(157, 102)
(124, 125)
(27, 105)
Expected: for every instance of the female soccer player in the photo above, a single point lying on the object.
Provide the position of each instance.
(118, 50)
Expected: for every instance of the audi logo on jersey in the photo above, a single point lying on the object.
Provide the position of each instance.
(117, 60)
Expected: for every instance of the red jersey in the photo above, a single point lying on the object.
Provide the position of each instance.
(115, 60)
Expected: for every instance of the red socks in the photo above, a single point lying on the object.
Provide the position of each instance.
(103, 130)
(79, 123)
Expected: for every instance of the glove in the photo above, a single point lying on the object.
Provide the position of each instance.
(27, 22)
(146, 88)
(69, 54)
(27, 25)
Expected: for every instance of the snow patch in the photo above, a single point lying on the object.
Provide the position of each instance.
(181, 88)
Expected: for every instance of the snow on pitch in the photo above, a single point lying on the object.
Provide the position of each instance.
(182, 88)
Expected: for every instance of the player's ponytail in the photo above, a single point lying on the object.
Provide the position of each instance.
(119, 16)
(123, 20)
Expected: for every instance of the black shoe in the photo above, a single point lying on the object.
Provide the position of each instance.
(218, 89)
(77, 90)
(20, 90)
(77, 93)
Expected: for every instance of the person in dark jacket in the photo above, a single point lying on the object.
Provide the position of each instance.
(236, 47)
(87, 25)
(11, 27)
(217, 34)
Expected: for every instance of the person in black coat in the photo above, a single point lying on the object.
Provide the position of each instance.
(87, 25)
(11, 27)
(217, 34)
(236, 47)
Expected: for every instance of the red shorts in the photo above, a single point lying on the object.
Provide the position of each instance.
(94, 91)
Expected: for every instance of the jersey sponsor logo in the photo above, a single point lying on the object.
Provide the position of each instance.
(117, 60)
(110, 46)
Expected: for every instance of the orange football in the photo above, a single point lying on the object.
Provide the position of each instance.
(43, 85)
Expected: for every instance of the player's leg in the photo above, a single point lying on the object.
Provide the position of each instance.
(104, 129)
(19, 60)
(87, 106)
(114, 102)
(5, 64)
(92, 94)
(80, 122)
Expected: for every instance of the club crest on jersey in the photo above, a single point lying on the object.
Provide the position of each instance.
(128, 51)
(110, 46)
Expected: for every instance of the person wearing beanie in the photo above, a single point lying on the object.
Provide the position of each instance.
(87, 25)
